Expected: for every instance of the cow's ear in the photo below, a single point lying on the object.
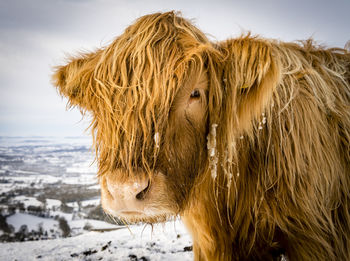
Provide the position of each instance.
(250, 74)
(74, 80)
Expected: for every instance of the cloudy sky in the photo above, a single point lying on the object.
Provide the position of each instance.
(35, 35)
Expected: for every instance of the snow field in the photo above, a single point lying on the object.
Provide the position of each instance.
(166, 241)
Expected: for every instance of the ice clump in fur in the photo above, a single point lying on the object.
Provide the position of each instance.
(156, 139)
(211, 145)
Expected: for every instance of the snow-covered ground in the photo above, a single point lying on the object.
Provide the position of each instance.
(43, 180)
(32, 222)
(42, 160)
(168, 241)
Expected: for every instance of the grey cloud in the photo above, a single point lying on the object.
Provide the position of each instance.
(38, 14)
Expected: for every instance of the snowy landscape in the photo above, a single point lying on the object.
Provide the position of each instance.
(50, 208)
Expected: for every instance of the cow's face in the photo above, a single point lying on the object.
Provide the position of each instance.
(148, 95)
(182, 155)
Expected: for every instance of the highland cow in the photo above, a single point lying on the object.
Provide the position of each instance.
(247, 140)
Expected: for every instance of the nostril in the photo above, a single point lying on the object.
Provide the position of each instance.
(108, 186)
(141, 195)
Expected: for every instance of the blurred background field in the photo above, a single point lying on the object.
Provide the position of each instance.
(44, 182)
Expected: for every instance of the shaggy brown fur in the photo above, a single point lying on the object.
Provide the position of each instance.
(257, 166)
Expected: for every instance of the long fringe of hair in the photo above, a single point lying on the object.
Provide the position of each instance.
(130, 86)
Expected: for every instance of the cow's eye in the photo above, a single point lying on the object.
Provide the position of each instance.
(195, 94)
